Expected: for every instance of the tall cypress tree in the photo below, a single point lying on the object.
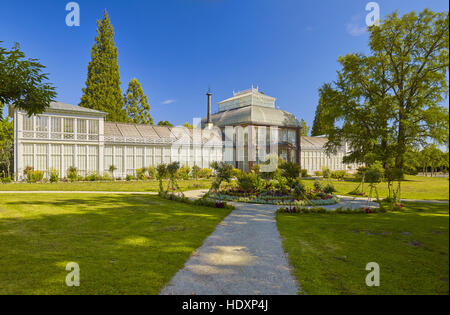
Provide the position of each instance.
(136, 103)
(324, 119)
(102, 90)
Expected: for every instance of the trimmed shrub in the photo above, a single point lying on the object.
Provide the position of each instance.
(140, 173)
(54, 175)
(35, 176)
(329, 189)
(339, 175)
(196, 172)
(304, 173)
(184, 172)
(151, 170)
(326, 173)
(72, 174)
(205, 173)
(6, 180)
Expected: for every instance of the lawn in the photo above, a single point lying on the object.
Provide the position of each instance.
(414, 187)
(129, 244)
(119, 186)
(329, 252)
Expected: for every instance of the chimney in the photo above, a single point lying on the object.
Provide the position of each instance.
(208, 121)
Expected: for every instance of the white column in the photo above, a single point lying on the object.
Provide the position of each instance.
(75, 153)
(145, 156)
(49, 162)
(134, 160)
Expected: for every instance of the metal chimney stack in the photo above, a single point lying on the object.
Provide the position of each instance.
(209, 94)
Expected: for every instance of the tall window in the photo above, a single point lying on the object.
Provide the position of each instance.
(28, 126)
(41, 127)
(68, 128)
(81, 129)
(93, 130)
(56, 128)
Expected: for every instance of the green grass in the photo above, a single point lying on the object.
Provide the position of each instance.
(329, 253)
(414, 187)
(118, 186)
(130, 244)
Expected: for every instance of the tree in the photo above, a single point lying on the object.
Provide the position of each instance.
(323, 119)
(390, 101)
(136, 104)
(223, 172)
(6, 145)
(23, 83)
(291, 172)
(102, 90)
(165, 123)
(188, 125)
(305, 128)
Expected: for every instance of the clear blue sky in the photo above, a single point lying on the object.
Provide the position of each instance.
(177, 48)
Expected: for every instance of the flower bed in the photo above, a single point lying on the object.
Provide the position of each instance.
(276, 200)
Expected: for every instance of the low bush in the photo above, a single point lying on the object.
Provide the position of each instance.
(6, 180)
(129, 178)
(151, 170)
(304, 173)
(318, 173)
(141, 173)
(339, 175)
(205, 173)
(326, 173)
(329, 189)
(72, 174)
(320, 210)
(205, 201)
(54, 175)
(184, 172)
(35, 176)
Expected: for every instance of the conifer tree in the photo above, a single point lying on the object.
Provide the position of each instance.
(136, 104)
(102, 90)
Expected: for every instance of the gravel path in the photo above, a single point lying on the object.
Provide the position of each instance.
(244, 256)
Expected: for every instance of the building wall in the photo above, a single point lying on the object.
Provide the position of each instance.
(64, 140)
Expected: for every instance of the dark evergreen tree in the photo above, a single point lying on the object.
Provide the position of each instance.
(102, 90)
(136, 103)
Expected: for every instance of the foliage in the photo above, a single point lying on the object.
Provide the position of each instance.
(205, 173)
(390, 101)
(184, 172)
(141, 173)
(72, 173)
(34, 176)
(339, 175)
(6, 180)
(102, 91)
(305, 128)
(196, 172)
(223, 172)
(329, 189)
(172, 171)
(54, 175)
(326, 173)
(304, 173)
(112, 169)
(136, 104)
(23, 83)
(161, 174)
(6, 144)
(151, 170)
(323, 119)
(165, 123)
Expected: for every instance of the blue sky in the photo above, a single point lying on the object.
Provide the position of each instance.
(179, 48)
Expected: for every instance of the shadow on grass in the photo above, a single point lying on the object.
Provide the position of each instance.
(123, 244)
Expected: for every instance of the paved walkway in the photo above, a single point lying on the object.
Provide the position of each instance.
(243, 256)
